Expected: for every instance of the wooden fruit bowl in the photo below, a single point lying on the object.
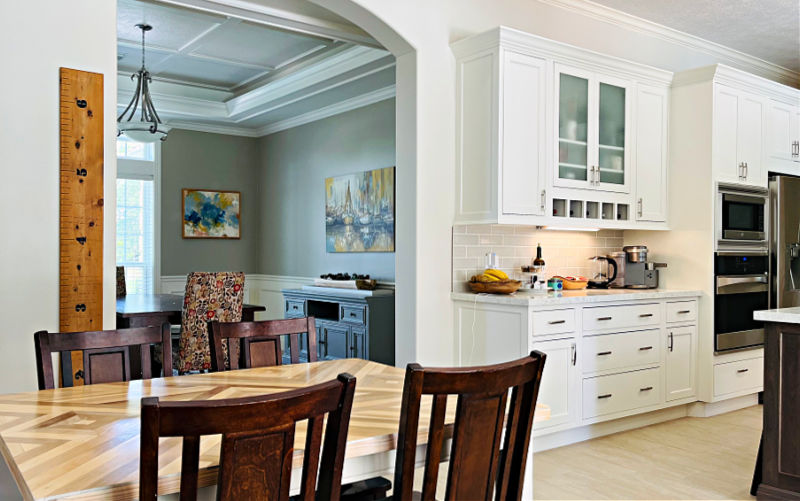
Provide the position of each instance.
(501, 287)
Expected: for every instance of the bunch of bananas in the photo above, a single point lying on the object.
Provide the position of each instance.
(491, 275)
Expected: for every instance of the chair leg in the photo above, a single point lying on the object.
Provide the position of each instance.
(757, 473)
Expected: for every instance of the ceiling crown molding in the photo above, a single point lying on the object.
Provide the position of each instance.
(723, 54)
(328, 111)
(214, 129)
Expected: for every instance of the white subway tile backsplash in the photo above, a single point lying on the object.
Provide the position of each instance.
(566, 253)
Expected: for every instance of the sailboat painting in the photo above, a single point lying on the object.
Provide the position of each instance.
(359, 212)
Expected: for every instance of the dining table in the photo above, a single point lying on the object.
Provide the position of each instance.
(142, 310)
(83, 442)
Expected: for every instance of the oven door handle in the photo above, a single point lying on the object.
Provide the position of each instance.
(740, 284)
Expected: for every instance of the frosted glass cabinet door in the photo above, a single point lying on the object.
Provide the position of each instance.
(573, 127)
(611, 134)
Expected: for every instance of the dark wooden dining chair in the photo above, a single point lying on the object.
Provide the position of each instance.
(480, 466)
(260, 342)
(255, 461)
(106, 354)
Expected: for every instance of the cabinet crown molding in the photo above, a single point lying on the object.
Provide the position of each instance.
(726, 75)
(534, 45)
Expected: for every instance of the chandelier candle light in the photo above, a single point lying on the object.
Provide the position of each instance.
(149, 127)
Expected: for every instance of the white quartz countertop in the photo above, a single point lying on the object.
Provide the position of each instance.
(523, 297)
(782, 315)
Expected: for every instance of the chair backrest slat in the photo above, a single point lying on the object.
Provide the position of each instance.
(106, 354)
(261, 342)
(257, 441)
(478, 469)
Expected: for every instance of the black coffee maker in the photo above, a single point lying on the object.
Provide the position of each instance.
(601, 279)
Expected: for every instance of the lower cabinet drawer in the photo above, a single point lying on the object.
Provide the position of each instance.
(619, 351)
(621, 392)
(626, 317)
(553, 322)
(682, 311)
(733, 377)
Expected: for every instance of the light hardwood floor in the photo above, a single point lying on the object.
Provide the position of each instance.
(688, 458)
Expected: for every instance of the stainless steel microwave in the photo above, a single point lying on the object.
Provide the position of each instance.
(742, 216)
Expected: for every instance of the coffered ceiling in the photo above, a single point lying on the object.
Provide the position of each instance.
(220, 72)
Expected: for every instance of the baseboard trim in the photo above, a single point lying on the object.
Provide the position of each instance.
(709, 409)
(597, 430)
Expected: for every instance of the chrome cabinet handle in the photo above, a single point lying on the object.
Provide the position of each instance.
(671, 341)
(646, 388)
(543, 201)
(639, 202)
(746, 169)
(574, 354)
(600, 354)
(555, 322)
(607, 395)
(741, 170)
(645, 348)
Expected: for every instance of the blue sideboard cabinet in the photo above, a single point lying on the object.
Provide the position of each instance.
(350, 323)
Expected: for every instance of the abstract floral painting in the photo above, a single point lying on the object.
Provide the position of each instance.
(359, 212)
(211, 214)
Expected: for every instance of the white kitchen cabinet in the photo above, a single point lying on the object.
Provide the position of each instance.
(783, 136)
(593, 125)
(546, 135)
(651, 153)
(560, 385)
(739, 136)
(501, 136)
(680, 365)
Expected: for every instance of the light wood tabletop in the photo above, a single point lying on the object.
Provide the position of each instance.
(83, 442)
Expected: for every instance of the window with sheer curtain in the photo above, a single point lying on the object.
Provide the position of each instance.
(136, 176)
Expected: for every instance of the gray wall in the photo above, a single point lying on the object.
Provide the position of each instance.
(295, 163)
(213, 161)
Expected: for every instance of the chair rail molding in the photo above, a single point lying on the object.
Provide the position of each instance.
(258, 289)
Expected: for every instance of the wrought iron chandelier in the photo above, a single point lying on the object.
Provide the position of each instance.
(148, 128)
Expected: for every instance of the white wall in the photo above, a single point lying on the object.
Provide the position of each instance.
(37, 37)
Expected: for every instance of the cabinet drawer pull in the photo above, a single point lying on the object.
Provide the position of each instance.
(645, 348)
(684, 312)
(600, 354)
(353, 314)
(604, 318)
(607, 395)
(646, 388)
(740, 371)
(645, 315)
(554, 322)
(294, 307)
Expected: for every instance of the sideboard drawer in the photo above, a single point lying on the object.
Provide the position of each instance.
(621, 392)
(621, 317)
(682, 311)
(734, 377)
(295, 308)
(353, 314)
(618, 351)
(553, 322)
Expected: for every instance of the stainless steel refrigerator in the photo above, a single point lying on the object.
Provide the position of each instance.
(784, 246)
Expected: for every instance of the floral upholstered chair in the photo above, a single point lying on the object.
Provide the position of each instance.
(210, 296)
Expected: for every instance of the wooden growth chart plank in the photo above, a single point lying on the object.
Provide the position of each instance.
(81, 210)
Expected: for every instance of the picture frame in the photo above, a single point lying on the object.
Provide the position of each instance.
(211, 214)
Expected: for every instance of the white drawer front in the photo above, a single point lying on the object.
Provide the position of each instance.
(682, 311)
(621, 317)
(620, 392)
(618, 351)
(738, 376)
(553, 322)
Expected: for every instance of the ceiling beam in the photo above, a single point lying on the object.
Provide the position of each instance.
(282, 19)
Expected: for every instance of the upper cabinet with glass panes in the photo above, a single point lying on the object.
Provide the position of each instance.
(593, 117)
(556, 135)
